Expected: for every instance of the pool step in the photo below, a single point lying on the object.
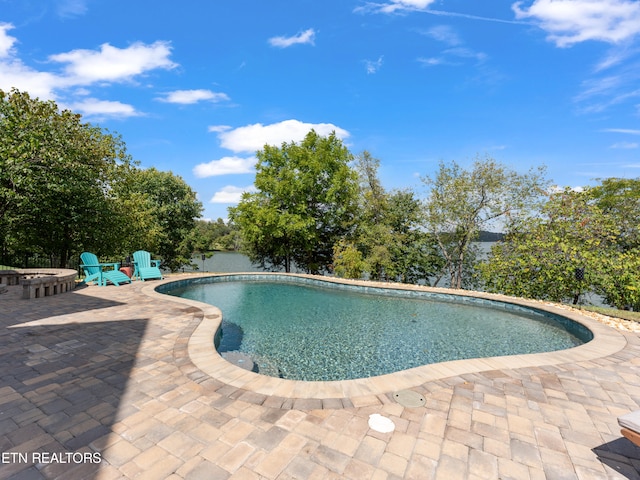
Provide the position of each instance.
(239, 359)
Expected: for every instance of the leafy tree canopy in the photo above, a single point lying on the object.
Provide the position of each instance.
(209, 236)
(387, 242)
(172, 209)
(582, 242)
(56, 174)
(462, 202)
(306, 201)
(68, 186)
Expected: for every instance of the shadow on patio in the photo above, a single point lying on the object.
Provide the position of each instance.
(61, 386)
(620, 455)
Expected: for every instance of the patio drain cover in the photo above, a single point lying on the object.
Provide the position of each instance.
(409, 398)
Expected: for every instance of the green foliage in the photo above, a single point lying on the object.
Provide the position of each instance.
(539, 256)
(305, 203)
(55, 179)
(208, 236)
(463, 202)
(619, 281)
(387, 236)
(348, 261)
(169, 208)
(588, 230)
(68, 186)
(619, 198)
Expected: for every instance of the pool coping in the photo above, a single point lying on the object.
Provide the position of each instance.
(366, 391)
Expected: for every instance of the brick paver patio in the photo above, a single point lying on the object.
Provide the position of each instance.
(100, 383)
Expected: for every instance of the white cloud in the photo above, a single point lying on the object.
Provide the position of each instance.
(92, 107)
(82, 69)
(445, 34)
(451, 56)
(71, 8)
(231, 194)
(218, 128)
(434, 62)
(615, 57)
(373, 66)
(113, 64)
(625, 145)
(225, 166)
(396, 5)
(308, 36)
(568, 22)
(466, 53)
(187, 97)
(6, 40)
(629, 131)
(252, 138)
(414, 3)
(602, 93)
(14, 74)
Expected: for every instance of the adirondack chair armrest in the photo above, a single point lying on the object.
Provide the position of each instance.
(116, 266)
(156, 263)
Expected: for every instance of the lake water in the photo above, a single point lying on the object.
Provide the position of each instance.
(233, 262)
(223, 262)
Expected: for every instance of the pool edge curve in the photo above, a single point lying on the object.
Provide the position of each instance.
(606, 341)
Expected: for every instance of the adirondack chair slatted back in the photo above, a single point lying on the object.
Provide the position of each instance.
(90, 263)
(142, 259)
(145, 268)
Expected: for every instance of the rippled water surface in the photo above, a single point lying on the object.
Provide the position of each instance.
(307, 332)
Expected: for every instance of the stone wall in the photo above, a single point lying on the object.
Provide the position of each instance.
(40, 282)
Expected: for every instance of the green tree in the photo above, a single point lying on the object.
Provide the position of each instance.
(170, 209)
(619, 283)
(539, 256)
(373, 235)
(415, 252)
(208, 236)
(387, 237)
(348, 261)
(577, 230)
(619, 198)
(56, 179)
(306, 202)
(463, 202)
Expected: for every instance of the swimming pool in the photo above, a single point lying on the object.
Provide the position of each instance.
(309, 329)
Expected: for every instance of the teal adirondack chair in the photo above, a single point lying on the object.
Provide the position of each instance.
(101, 273)
(145, 268)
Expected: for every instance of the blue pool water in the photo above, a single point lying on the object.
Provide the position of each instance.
(313, 330)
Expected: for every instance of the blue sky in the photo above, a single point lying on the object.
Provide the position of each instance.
(197, 87)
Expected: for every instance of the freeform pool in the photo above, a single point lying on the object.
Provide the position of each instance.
(305, 329)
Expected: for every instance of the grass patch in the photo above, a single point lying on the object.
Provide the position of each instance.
(6, 267)
(613, 312)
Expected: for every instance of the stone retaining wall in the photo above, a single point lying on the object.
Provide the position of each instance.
(40, 282)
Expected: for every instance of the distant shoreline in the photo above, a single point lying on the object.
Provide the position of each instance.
(490, 236)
